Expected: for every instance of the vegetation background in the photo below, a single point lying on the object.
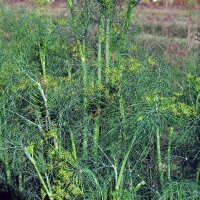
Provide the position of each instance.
(99, 100)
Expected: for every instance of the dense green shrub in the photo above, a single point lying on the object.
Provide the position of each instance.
(94, 115)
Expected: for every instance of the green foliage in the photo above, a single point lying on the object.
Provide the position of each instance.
(59, 86)
(172, 105)
(66, 184)
(181, 190)
(122, 195)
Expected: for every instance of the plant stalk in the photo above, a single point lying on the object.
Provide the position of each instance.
(121, 173)
(198, 173)
(128, 18)
(159, 157)
(99, 75)
(121, 105)
(48, 191)
(73, 143)
(107, 36)
(85, 102)
(81, 48)
(169, 154)
(42, 52)
(100, 49)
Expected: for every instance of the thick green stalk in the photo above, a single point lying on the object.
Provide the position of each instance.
(70, 74)
(83, 61)
(122, 115)
(121, 105)
(73, 143)
(6, 153)
(20, 182)
(42, 52)
(139, 185)
(121, 173)
(85, 130)
(100, 49)
(81, 48)
(159, 157)
(44, 97)
(47, 190)
(169, 154)
(131, 5)
(198, 173)
(122, 42)
(107, 37)
(78, 41)
(99, 75)
(85, 101)
(128, 18)
(197, 176)
(8, 175)
(48, 118)
(96, 137)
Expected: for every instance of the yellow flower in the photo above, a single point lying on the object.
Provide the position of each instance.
(151, 61)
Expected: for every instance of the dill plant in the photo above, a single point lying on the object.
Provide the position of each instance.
(91, 117)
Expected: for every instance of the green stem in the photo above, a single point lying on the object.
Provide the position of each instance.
(81, 48)
(73, 143)
(70, 73)
(20, 182)
(131, 5)
(197, 102)
(48, 191)
(96, 137)
(121, 105)
(122, 114)
(198, 173)
(121, 173)
(42, 52)
(159, 157)
(85, 102)
(99, 75)
(85, 131)
(139, 185)
(169, 154)
(107, 36)
(100, 50)
(48, 118)
(128, 18)
(8, 175)
(6, 154)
